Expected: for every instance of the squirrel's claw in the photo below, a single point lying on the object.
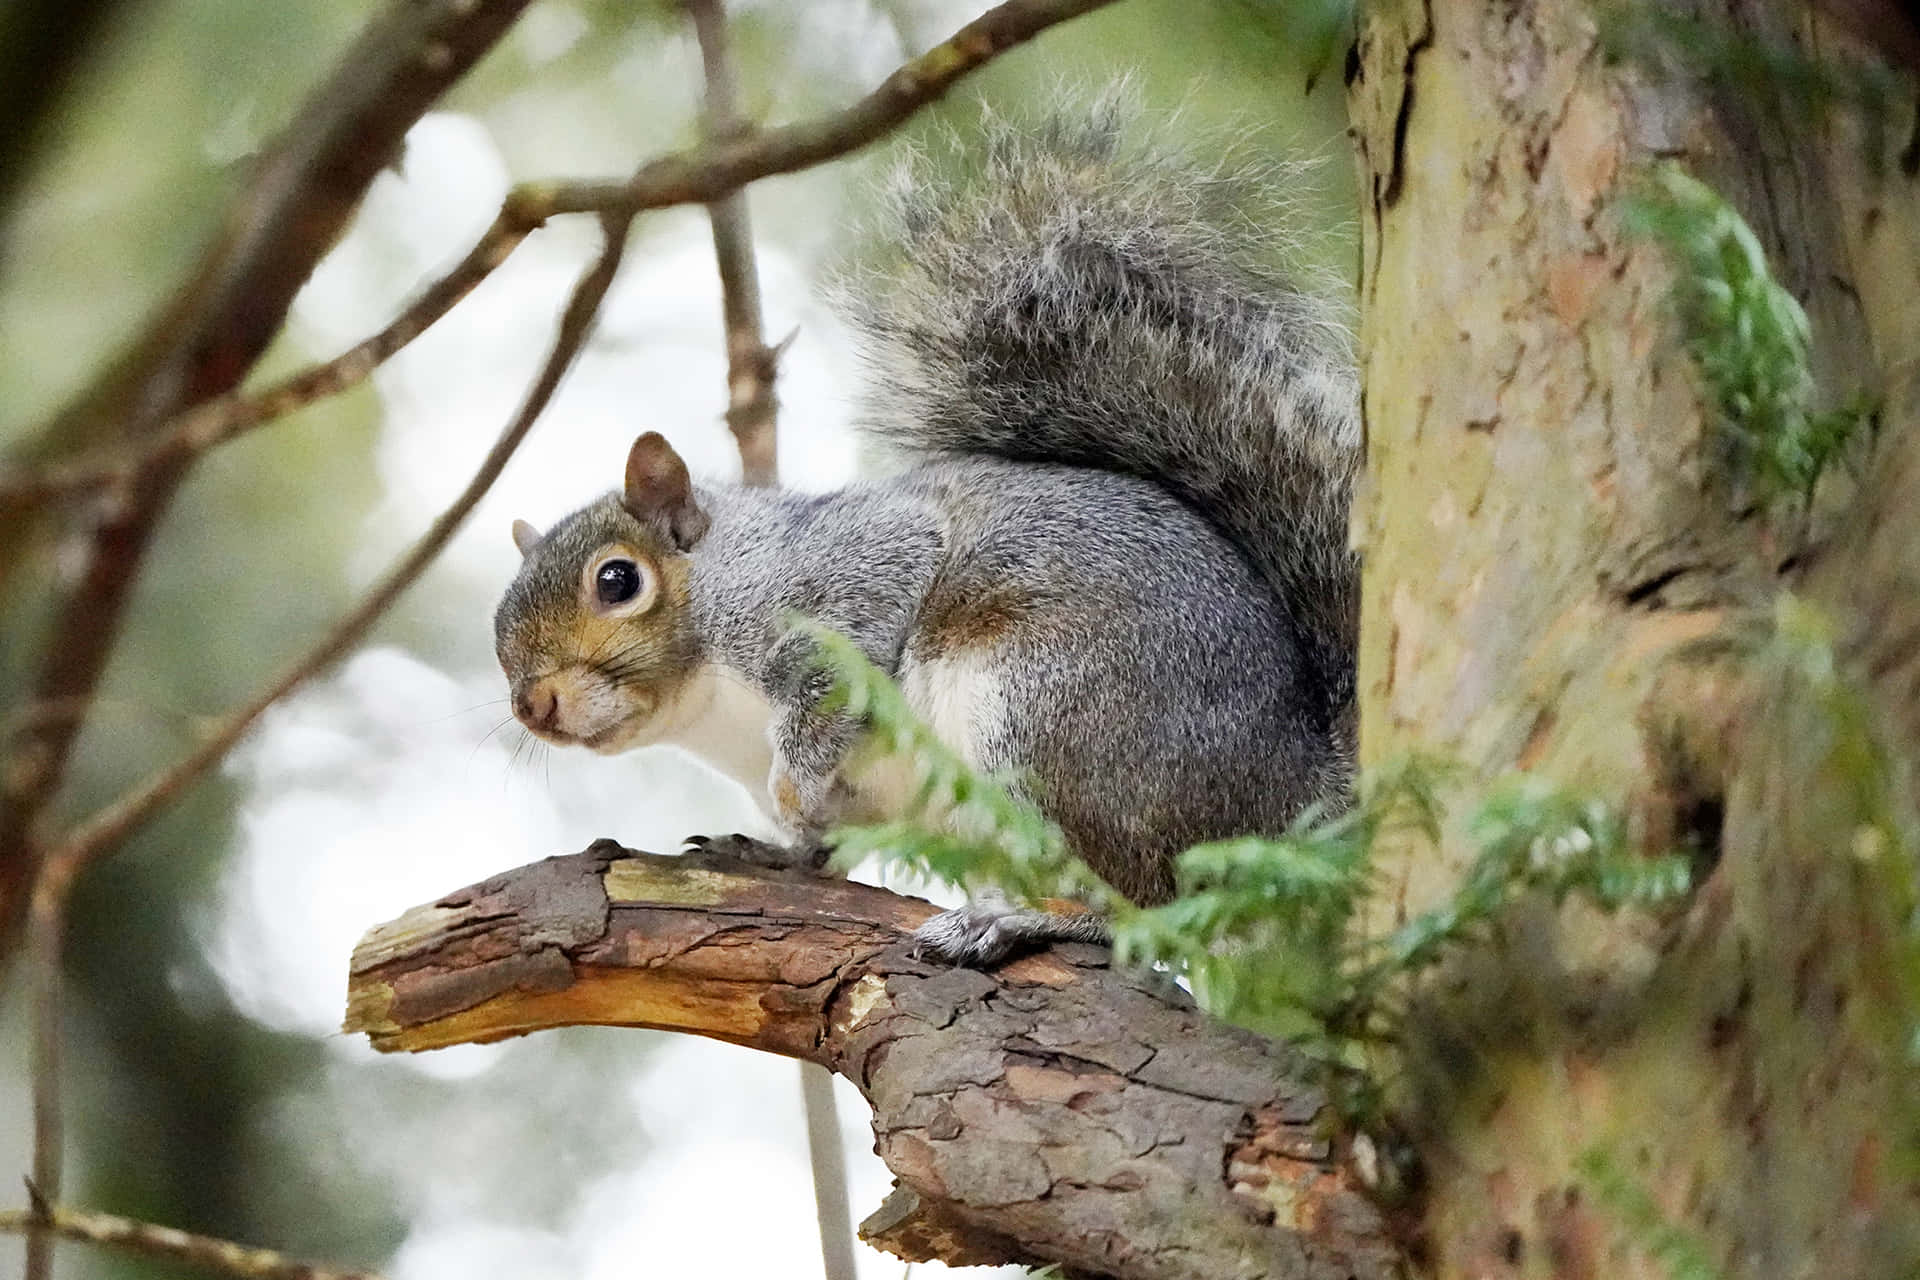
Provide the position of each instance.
(758, 853)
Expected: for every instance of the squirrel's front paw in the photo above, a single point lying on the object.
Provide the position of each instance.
(761, 853)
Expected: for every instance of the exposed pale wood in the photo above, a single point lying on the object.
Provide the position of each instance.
(1055, 1110)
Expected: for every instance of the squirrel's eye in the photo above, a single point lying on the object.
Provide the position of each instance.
(617, 581)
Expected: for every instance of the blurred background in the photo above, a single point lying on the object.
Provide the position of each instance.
(207, 1086)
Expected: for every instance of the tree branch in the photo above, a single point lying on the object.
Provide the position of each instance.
(148, 1240)
(113, 824)
(218, 421)
(707, 174)
(1056, 1110)
(833, 1214)
(751, 409)
(299, 197)
(46, 929)
(61, 865)
(700, 175)
(750, 362)
(710, 172)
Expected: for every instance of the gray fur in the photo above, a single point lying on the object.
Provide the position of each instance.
(991, 929)
(1130, 443)
(1083, 295)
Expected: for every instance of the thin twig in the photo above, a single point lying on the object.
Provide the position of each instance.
(221, 334)
(832, 1209)
(113, 824)
(702, 175)
(750, 362)
(61, 865)
(219, 421)
(707, 173)
(751, 417)
(46, 926)
(149, 1240)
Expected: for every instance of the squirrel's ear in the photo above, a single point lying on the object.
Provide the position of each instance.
(525, 537)
(659, 489)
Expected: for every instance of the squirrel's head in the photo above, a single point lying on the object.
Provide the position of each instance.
(596, 635)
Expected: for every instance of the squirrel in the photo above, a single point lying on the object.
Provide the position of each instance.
(1115, 567)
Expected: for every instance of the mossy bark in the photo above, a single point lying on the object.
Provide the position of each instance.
(1553, 548)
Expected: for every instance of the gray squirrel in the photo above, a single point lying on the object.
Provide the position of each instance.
(1115, 567)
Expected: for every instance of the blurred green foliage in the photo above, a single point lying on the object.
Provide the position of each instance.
(1681, 1254)
(173, 1094)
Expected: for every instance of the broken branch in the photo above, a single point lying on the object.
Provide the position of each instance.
(1055, 1110)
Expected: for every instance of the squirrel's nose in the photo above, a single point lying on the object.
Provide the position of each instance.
(537, 705)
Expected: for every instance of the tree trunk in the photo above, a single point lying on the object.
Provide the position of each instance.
(1551, 556)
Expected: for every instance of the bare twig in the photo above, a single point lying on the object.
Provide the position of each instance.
(832, 1209)
(300, 198)
(218, 421)
(704, 175)
(113, 824)
(64, 862)
(750, 362)
(148, 1240)
(46, 927)
(751, 410)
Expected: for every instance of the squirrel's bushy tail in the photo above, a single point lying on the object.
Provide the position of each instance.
(1074, 292)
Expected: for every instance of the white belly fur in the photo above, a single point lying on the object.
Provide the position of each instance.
(962, 702)
(722, 720)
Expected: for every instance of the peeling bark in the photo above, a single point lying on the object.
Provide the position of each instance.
(1055, 1110)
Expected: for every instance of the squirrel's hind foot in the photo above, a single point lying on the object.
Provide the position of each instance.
(988, 932)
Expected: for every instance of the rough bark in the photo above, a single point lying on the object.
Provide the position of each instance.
(1056, 1110)
(1547, 534)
